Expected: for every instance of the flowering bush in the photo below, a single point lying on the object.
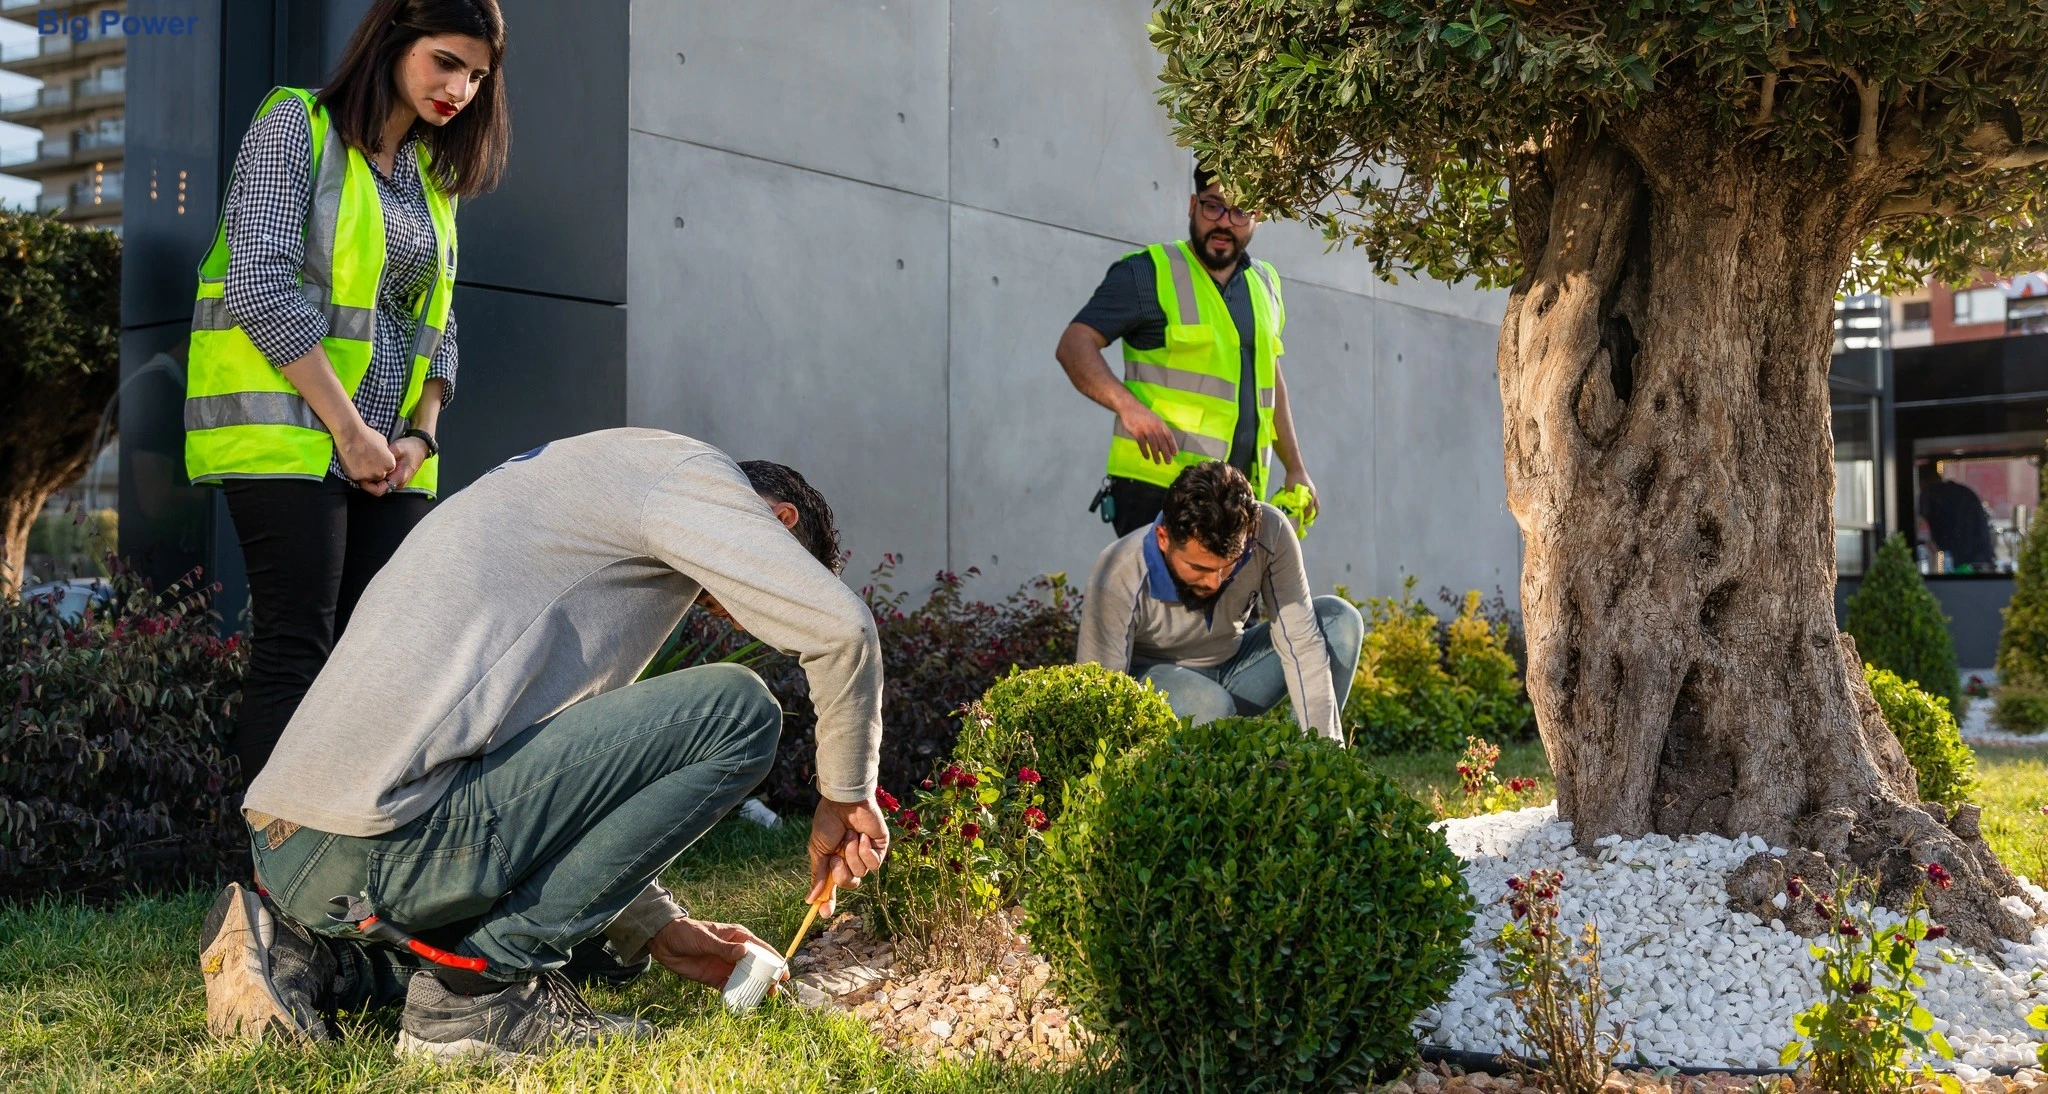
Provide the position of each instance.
(1869, 1034)
(959, 855)
(1425, 684)
(1055, 718)
(115, 771)
(935, 659)
(1482, 791)
(1246, 908)
(1928, 734)
(1554, 983)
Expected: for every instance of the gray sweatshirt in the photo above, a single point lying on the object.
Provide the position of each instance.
(1132, 610)
(553, 578)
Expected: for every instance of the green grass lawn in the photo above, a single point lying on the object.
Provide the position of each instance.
(110, 1000)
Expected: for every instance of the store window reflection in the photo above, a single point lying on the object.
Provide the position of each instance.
(1973, 507)
(1856, 502)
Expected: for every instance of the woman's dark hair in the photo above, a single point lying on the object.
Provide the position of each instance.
(814, 525)
(469, 152)
(1213, 503)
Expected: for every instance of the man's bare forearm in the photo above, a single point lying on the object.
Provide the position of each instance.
(1284, 442)
(1080, 354)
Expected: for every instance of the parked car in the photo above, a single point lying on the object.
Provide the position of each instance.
(68, 599)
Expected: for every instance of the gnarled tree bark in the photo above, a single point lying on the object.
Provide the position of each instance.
(1663, 369)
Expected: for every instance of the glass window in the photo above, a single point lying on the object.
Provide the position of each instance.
(1972, 512)
(1980, 306)
(1916, 315)
(1855, 432)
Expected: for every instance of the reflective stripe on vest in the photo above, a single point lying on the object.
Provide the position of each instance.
(242, 417)
(1191, 382)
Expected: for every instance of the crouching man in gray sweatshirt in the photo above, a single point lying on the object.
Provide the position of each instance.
(1168, 604)
(475, 765)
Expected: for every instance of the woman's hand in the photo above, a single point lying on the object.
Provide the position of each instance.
(368, 458)
(410, 452)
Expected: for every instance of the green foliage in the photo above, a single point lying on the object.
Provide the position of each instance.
(1928, 732)
(1303, 105)
(960, 855)
(1248, 908)
(2023, 644)
(1555, 984)
(67, 541)
(1480, 790)
(60, 299)
(1898, 625)
(1054, 719)
(1424, 684)
(114, 768)
(1868, 1033)
(2039, 1020)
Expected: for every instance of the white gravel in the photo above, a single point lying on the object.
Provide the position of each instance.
(1699, 985)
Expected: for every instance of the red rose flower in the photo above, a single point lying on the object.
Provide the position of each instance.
(1938, 874)
(909, 819)
(1027, 776)
(1515, 883)
(1035, 817)
(968, 780)
(969, 831)
(951, 776)
(887, 800)
(1859, 987)
(1848, 930)
(1936, 930)
(927, 784)
(1793, 886)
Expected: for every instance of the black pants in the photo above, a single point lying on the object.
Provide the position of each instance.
(1133, 504)
(311, 548)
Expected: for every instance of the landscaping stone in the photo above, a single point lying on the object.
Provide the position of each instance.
(1697, 983)
(1450, 1080)
(1007, 1015)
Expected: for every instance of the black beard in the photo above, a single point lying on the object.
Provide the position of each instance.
(1190, 599)
(1201, 243)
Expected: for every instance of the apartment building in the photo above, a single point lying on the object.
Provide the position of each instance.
(81, 108)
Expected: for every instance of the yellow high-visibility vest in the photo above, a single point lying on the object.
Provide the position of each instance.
(243, 419)
(1191, 381)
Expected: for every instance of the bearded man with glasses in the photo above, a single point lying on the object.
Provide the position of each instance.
(1201, 376)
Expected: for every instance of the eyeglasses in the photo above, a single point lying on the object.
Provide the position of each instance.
(1216, 210)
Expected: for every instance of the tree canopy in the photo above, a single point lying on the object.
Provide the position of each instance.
(1395, 124)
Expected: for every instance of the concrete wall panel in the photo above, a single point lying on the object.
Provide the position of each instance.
(1055, 118)
(1329, 371)
(1299, 252)
(796, 317)
(1028, 449)
(1441, 508)
(847, 88)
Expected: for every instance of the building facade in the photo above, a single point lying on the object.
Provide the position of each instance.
(846, 237)
(81, 58)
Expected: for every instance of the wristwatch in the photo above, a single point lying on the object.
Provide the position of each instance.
(426, 438)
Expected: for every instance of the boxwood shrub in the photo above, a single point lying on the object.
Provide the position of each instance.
(1053, 719)
(1927, 731)
(1899, 625)
(1246, 908)
(2023, 642)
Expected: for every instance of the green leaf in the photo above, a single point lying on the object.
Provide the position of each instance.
(2039, 1018)
(1789, 1053)
(1941, 1046)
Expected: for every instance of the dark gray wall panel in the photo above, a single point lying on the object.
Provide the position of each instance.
(174, 132)
(1975, 607)
(558, 223)
(534, 369)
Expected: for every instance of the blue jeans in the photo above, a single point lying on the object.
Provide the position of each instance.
(1252, 682)
(540, 844)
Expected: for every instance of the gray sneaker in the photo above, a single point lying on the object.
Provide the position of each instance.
(529, 1019)
(264, 973)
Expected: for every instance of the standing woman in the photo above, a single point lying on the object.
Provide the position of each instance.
(323, 346)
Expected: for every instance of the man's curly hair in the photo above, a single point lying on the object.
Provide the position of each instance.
(1213, 503)
(815, 528)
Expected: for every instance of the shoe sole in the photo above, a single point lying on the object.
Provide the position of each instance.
(466, 1048)
(235, 963)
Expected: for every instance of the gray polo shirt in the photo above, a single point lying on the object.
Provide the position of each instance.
(1133, 610)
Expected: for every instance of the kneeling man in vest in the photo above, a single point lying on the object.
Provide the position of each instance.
(475, 765)
(1169, 604)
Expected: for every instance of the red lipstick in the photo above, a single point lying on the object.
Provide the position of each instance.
(447, 110)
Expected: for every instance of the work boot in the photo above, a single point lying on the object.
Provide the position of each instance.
(531, 1018)
(264, 973)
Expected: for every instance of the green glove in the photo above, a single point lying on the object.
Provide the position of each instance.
(1294, 502)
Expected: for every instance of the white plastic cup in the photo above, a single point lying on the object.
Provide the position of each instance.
(751, 980)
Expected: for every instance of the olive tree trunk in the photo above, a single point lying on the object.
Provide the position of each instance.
(52, 423)
(1664, 374)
